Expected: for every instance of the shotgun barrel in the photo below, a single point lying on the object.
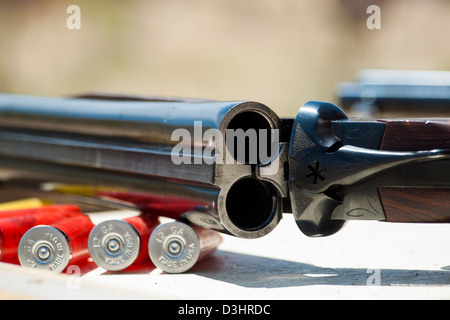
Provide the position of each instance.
(160, 155)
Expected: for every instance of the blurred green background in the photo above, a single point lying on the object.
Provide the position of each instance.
(278, 52)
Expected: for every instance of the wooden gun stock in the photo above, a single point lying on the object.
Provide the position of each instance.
(410, 204)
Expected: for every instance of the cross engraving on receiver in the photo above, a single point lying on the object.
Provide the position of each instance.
(317, 172)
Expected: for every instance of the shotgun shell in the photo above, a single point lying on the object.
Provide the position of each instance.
(14, 224)
(54, 247)
(115, 245)
(22, 204)
(175, 247)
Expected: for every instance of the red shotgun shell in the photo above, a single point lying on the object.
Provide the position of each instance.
(175, 247)
(115, 245)
(45, 210)
(54, 247)
(14, 224)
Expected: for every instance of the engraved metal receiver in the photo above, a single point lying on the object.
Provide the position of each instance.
(336, 167)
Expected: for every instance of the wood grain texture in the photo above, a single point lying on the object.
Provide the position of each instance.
(416, 204)
(416, 135)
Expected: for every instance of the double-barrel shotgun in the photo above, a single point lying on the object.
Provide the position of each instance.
(195, 160)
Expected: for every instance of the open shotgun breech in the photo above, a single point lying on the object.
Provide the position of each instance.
(177, 159)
